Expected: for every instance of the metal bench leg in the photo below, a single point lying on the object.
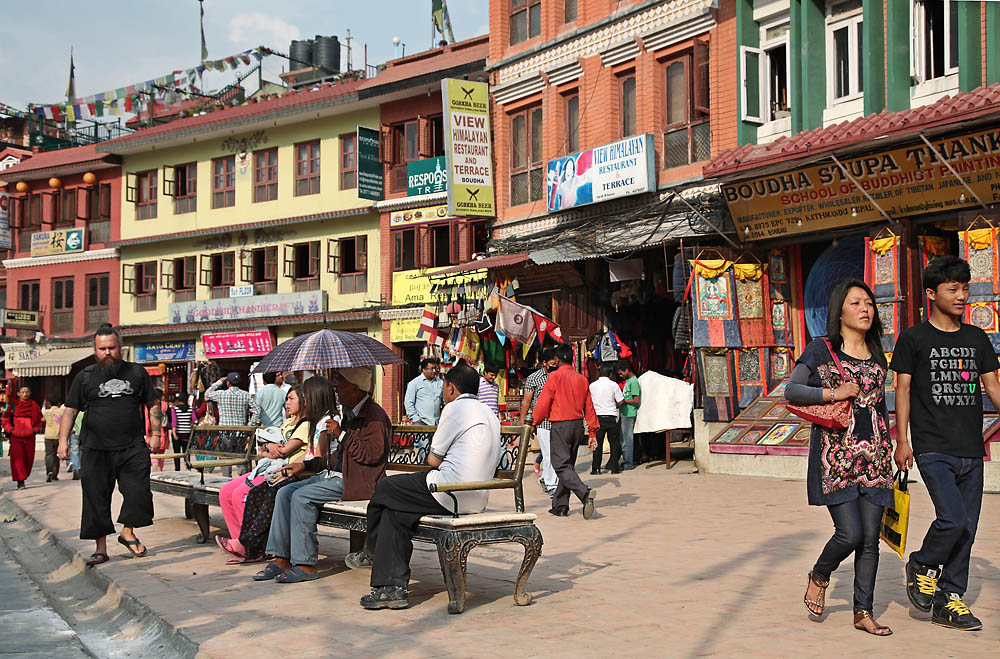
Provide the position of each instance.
(200, 513)
(532, 550)
(453, 553)
(188, 514)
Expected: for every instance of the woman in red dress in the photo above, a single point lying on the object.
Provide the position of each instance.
(22, 422)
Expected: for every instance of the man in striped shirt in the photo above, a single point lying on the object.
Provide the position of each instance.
(489, 390)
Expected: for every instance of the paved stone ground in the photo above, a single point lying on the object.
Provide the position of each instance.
(673, 564)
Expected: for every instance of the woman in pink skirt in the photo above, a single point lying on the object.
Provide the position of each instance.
(292, 447)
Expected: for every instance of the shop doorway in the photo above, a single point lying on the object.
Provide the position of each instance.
(824, 265)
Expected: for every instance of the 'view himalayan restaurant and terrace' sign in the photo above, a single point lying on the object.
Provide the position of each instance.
(907, 181)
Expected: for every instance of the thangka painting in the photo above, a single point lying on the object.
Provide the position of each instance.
(753, 304)
(718, 384)
(979, 247)
(883, 275)
(752, 369)
(715, 322)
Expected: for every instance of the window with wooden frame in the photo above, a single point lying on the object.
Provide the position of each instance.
(265, 175)
(527, 166)
(98, 292)
(573, 123)
(628, 105)
(260, 268)
(687, 132)
(480, 235)
(302, 262)
(179, 275)
(437, 137)
(525, 20)
(218, 271)
(444, 248)
(146, 195)
(348, 161)
(569, 11)
(98, 213)
(61, 315)
(68, 209)
(224, 182)
(406, 148)
(185, 188)
(307, 168)
(934, 25)
(348, 258)
(405, 246)
(28, 295)
(144, 279)
(845, 52)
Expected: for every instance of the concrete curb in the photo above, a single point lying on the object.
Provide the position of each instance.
(176, 643)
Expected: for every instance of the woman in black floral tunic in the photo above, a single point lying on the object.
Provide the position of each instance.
(850, 470)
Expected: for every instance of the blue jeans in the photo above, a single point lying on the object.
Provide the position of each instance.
(856, 526)
(74, 452)
(956, 489)
(628, 445)
(296, 510)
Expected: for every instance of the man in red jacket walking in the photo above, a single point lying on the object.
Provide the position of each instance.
(565, 402)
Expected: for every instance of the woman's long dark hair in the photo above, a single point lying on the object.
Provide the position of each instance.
(317, 398)
(873, 337)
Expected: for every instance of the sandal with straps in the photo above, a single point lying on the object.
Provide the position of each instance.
(859, 624)
(820, 602)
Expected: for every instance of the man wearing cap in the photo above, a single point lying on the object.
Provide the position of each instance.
(233, 404)
(354, 464)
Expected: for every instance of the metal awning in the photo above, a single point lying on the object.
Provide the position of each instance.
(56, 362)
(482, 264)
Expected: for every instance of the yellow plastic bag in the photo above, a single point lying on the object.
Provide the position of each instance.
(897, 516)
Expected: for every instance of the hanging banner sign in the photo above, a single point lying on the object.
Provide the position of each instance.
(419, 215)
(908, 181)
(20, 319)
(607, 172)
(16, 354)
(413, 286)
(468, 150)
(237, 344)
(371, 173)
(427, 176)
(57, 241)
(5, 242)
(240, 308)
(165, 351)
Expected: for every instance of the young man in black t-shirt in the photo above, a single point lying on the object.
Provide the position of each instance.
(943, 366)
(113, 392)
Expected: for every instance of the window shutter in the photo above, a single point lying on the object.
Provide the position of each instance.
(387, 150)
(750, 73)
(246, 266)
(289, 262)
(88, 195)
(205, 269)
(426, 137)
(464, 241)
(314, 259)
(128, 279)
(332, 256)
(425, 251)
(17, 212)
(169, 181)
(361, 259)
(131, 188)
(167, 280)
(701, 86)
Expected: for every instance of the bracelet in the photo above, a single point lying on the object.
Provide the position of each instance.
(833, 395)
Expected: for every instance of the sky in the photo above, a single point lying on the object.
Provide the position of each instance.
(121, 42)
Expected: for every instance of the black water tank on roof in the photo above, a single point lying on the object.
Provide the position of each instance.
(326, 53)
(301, 53)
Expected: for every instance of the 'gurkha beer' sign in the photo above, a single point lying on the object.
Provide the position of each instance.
(907, 181)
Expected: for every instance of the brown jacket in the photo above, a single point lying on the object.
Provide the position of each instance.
(365, 451)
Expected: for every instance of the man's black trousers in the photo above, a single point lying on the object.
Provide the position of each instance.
(129, 467)
(394, 511)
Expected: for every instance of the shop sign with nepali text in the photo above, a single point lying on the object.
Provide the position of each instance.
(241, 308)
(468, 149)
(624, 168)
(165, 351)
(911, 180)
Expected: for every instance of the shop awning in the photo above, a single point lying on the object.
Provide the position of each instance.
(483, 264)
(56, 362)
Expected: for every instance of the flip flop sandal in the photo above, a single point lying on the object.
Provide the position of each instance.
(131, 546)
(96, 559)
(268, 573)
(295, 575)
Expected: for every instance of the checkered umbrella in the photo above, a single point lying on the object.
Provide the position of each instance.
(327, 349)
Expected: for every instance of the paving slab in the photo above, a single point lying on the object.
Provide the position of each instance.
(673, 564)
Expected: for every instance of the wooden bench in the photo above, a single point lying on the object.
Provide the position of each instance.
(454, 536)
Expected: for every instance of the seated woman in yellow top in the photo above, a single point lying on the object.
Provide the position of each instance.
(291, 447)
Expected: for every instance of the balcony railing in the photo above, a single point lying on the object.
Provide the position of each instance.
(311, 284)
(185, 295)
(24, 240)
(99, 232)
(96, 317)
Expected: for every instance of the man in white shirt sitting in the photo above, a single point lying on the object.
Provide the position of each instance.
(465, 448)
(607, 397)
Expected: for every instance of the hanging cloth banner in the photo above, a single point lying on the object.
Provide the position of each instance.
(714, 322)
(753, 305)
(710, 268)
(749, 271)
(515, 321)
(979, 248)
(883, 275)
(718, 384)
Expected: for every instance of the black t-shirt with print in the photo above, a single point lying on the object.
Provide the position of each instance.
(114, 405)
(946, 398)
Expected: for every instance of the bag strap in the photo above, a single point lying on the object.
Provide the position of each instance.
(836, 360)
(902, 478)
